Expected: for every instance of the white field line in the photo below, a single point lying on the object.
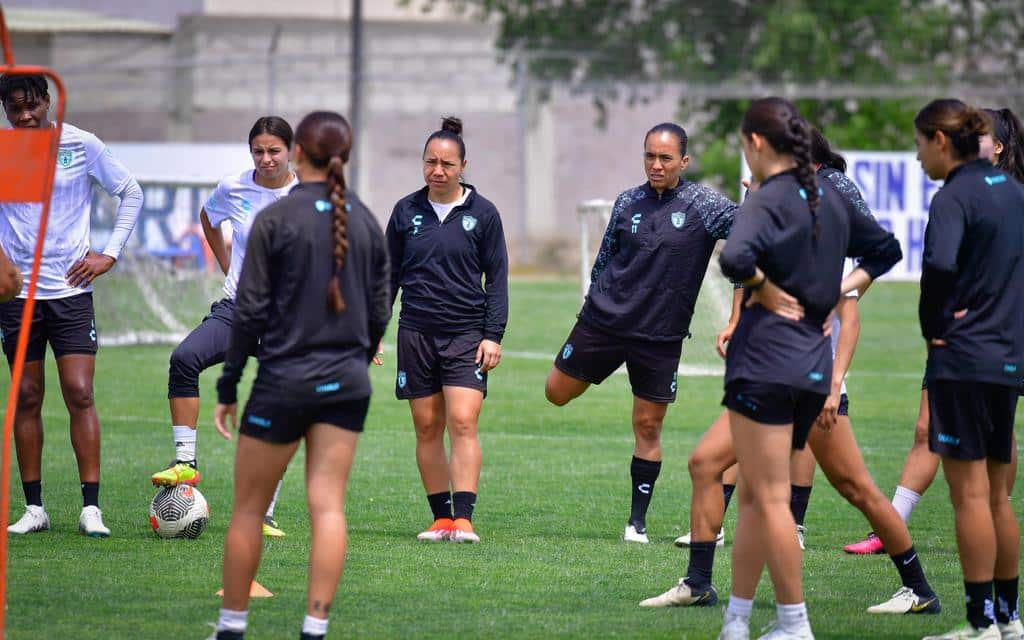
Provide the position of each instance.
(153, 300)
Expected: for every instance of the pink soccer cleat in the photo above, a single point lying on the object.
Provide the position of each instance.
(867, 546)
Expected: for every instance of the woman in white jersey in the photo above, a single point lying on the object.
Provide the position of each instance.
(63, 314)
(237, 199)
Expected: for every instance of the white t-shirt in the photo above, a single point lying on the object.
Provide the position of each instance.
(81, 160)
(442, 210)
(847, 269)
(239, 199)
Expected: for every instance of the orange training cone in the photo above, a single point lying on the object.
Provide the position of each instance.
(256, 590)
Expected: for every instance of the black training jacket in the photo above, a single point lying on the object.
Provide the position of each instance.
(974, 262)
(653, 258)
(305, 349)
(775, 230)
(440, 266)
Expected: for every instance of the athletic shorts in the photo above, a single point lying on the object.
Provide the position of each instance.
(68, 324)
(971, 420)
(426, 363)
(591, 355)
(844, 405)
(283, 418)
(771, 403)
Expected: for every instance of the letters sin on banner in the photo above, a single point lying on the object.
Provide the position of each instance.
(898, 193)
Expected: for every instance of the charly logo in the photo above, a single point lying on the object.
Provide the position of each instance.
(636, 222)
(401, 379)
(566, 351)
(675, 382)
(64, 157)
(678, 219)
(417, 220)
(468, 223)
(479, 375)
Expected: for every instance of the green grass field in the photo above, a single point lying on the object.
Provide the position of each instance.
(554, 497)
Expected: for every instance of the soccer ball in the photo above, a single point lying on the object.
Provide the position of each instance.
(179, 512)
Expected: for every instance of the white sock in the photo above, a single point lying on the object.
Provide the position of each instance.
(739, 608)
(792, 617)
(273, 501)
(184, 443)
(904, 501)
(314, 626)
(232, 620)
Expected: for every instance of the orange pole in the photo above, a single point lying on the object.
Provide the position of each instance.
(26, 317)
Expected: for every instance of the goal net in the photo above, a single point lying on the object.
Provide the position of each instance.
(713, 304)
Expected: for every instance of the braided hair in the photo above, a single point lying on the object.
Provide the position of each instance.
(326, 140)
(1007, 129)
(779, 122)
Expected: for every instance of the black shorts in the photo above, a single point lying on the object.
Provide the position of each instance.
(844, 405)
(428, 362)
(971, 420)
(282, 418)
(68, 324)
(776, 404)
(591, 355)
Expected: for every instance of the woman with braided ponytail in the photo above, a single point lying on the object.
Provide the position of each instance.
(448, 256)
(787, 247)
(313, 304)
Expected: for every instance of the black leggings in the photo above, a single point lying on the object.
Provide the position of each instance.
(204, 347)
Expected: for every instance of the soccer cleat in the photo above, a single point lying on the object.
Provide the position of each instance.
(1012, 630)
(735, 628)
(632, 534)
(775, 632)
(462, 531)
(90, 523)
(685, 540)
(800, 531)
(438, 531)
(177, 473)
(906, 601)
(34, 520)
(271, 528)
(869, 545)
(683, 595)
(969, 632)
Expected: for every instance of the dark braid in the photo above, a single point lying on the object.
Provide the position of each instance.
(336, 193)
(800, 143)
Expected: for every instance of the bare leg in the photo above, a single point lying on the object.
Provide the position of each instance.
(710, 458)
(428, 418)
(76, 376)
(561, 388)
(462, 413)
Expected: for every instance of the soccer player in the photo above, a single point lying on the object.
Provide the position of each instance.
(787, 249)
(237, 199)
(312, 302)
(972, 318)
(1004, 147)
(63, 315)
(444, 240)
(832, 444)
(643, 290)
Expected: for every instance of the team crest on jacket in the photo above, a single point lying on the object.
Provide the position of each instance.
(678, 219)
(64, 158)
(468, 223)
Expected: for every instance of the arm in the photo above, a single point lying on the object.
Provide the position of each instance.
(215, 238)
(609, 243)
(942, 240)
(494, 262)
(10, 278)
(379, 296)
(396, 252)
(849, 333)
(725, 335)
(717, 212)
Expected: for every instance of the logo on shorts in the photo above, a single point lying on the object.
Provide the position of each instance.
(401, 380)
(952, 441)
(815, 376)
(468, 223)
(1010, 368)
(417, 220)
(323, 206)
(64, 157)
(566, 351)
(479, 375)
(636, 222)
(675, 379)
(92, 332)
(678, 219)
(328, 387)
(259, 422)
(747, 402)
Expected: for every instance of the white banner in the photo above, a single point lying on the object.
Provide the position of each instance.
(898, 193)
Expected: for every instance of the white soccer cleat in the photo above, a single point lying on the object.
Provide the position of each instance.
(906, 601)
(1011, 630)
(632, 535)
(90, 523)
(685, 540)
(968, 632)
(776, 632)
(800, 531)
(34, 520)
(683, 595)
(735, 628)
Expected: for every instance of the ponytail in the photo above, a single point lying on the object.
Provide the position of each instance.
(800, 143)
(1007, 129)
(336, 195)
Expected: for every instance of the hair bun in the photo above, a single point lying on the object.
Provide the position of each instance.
(976, 122)
(452, 124)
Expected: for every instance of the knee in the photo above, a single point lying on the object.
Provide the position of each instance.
(555, 395)
(853, 492)
(30, 396)
(647, 428)
(921, 433)
(462, 426)
(79, 397)
(428, 430)
(702, 468)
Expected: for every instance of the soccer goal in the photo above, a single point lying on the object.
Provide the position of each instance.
(713, 303)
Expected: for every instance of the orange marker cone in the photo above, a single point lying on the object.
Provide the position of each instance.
(256, 590)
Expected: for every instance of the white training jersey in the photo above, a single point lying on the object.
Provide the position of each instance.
(442, 210)
(239, 199)
(847, 269)
(81, 160)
